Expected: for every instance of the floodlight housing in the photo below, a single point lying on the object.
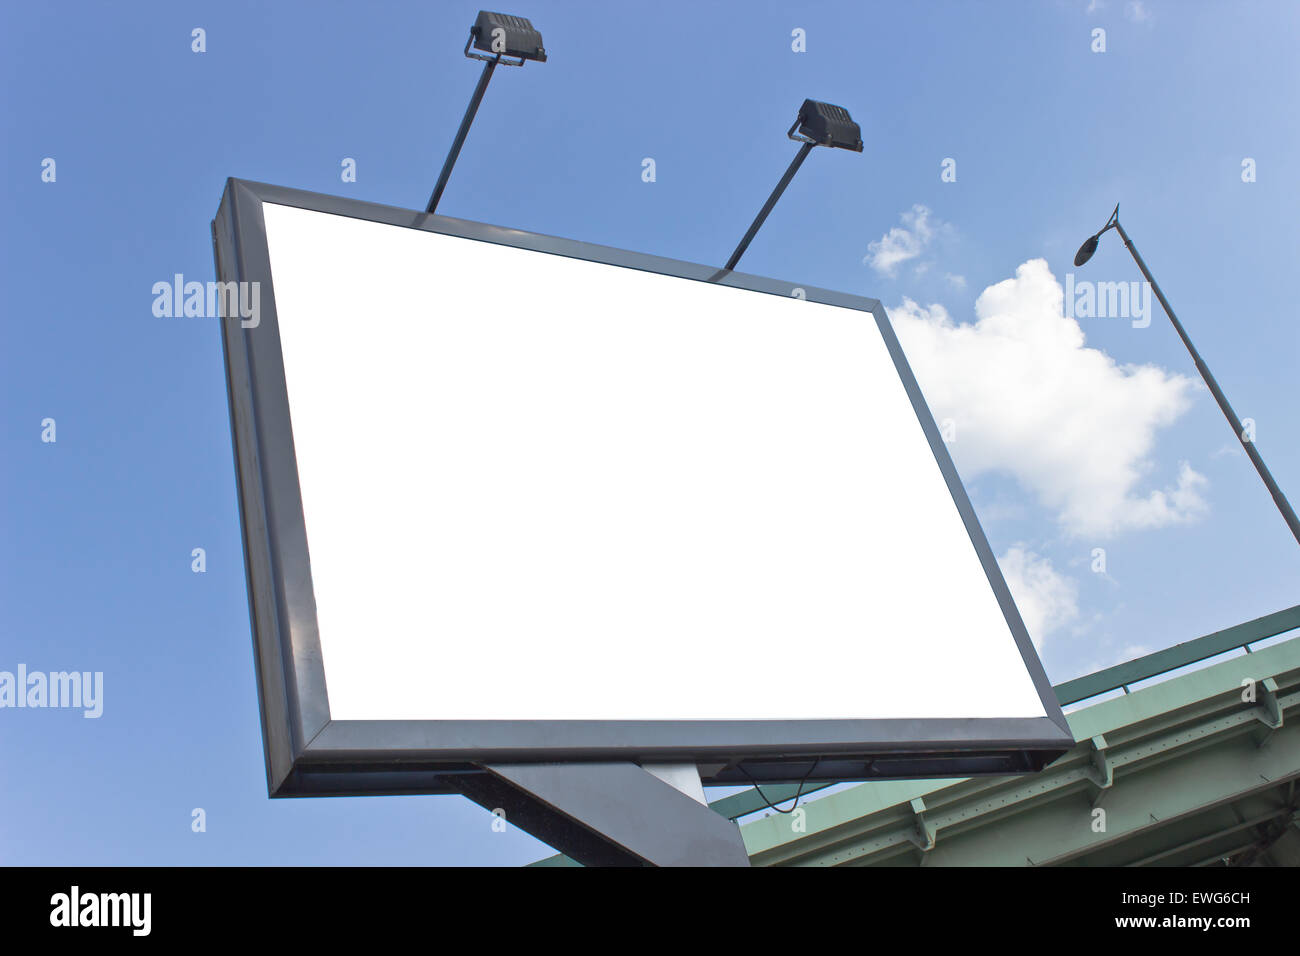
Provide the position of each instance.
(827, 125)
(518, 38)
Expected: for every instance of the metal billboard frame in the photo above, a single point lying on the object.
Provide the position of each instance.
(309, 754)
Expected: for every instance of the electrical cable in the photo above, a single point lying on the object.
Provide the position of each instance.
(797, 794)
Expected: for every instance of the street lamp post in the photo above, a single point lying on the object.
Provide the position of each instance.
(1084, 254)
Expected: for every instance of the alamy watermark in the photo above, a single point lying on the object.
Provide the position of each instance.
(209, 300)
(1108, 300)
(63, 689)
(75, 908)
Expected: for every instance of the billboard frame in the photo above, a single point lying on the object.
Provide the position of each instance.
(308, 753)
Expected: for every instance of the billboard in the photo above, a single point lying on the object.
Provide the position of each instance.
(507, 498)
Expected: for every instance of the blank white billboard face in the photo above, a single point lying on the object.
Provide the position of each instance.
(545, 488)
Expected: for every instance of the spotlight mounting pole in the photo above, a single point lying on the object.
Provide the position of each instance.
(1084, 254)
(819, 124)
(500, 35)
(793, 168)
(461, 133)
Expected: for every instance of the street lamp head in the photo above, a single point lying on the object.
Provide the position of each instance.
(503, 35)
(1090, 244)
(827, 125)
(1085, 251)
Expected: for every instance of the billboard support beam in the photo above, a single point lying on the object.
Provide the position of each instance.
(607, 814)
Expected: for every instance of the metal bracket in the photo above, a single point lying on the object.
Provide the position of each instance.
(1112, 222)
(1268, 711)
(924, 833)
(799, 137)
(1100, 770)
(495, 58)
(1271, 704)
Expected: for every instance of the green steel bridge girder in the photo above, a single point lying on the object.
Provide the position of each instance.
(1182, 772)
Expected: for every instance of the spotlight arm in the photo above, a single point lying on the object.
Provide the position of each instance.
(793, 168)
(461, 133)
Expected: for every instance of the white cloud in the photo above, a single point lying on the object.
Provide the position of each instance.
(956, 281)
(1046, 599)
(1137, 11)
(903, 243)
(1029, 399)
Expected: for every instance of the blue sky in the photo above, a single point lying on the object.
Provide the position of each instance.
(1046, 134)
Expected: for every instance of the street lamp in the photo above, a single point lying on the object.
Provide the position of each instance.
(1084, 254)
(819, 124)
(501, 35)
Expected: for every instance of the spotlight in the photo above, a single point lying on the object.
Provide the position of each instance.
(503, 35)
(826, 125)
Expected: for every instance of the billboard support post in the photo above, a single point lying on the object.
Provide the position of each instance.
(607, 814)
